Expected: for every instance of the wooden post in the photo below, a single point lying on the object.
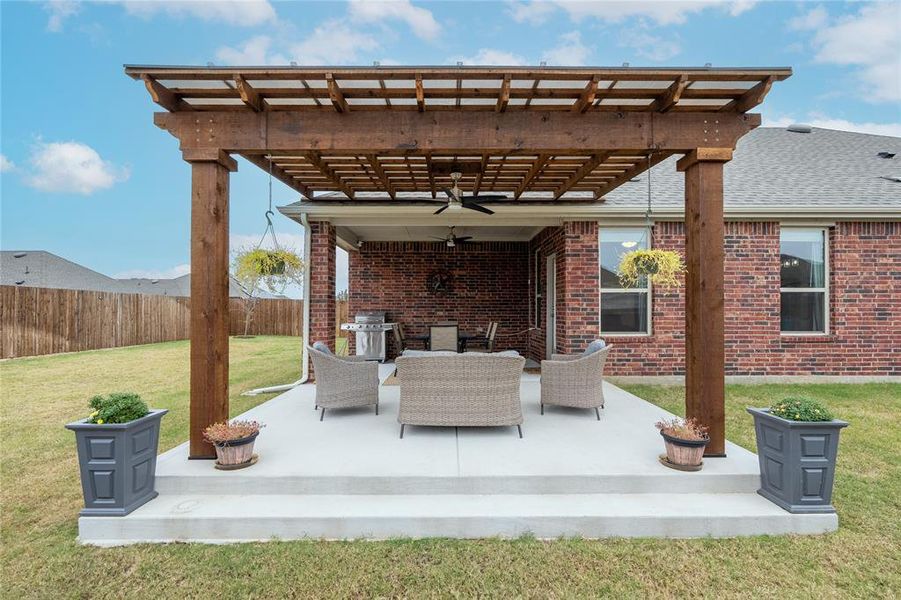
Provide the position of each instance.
(209, 294)
(705, 364)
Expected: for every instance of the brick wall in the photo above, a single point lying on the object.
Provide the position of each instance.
(322, 283)
(497, 281)
(865, 308)
(489, 281)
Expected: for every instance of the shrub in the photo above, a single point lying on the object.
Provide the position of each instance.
(118, 407)
(684, 429)
(801, 409)
(221, 433)
(661, 266)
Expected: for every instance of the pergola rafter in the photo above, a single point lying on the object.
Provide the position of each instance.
(552, 135)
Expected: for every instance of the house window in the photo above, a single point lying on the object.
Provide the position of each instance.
(623, 310)
(805, 275)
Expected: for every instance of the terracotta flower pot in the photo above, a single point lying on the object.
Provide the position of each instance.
(235, 452)
(684, 452)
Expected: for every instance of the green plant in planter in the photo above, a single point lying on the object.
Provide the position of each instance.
(257, 269)
(118, 407)
(801, 409)
(661, 266)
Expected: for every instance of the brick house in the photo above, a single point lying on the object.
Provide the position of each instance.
(812, 268)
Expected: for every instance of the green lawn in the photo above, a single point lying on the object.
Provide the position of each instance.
(41, 497)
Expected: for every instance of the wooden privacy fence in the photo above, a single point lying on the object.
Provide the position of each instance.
(47, 321)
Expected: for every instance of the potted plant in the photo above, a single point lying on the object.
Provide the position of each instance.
(685, 440)
(117, 446)
(661, 266)
(797, 444)
(234, 443)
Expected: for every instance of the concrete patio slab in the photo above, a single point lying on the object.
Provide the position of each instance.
(351, 476)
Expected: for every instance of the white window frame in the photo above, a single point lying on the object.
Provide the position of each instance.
(827, 275)
(602, 290)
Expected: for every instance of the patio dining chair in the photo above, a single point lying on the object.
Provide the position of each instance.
(343, 381)
(444, 337)
(486, 342)
(398, 331)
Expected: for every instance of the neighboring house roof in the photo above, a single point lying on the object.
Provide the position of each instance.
(37, 268)
(771, 167)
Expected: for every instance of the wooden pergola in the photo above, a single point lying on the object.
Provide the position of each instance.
(373, 134)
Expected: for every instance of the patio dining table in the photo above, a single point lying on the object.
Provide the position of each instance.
(463, 338)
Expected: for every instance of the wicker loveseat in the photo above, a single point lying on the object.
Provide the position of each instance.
(467, 390)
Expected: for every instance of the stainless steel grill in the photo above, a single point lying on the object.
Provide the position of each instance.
(370, 328)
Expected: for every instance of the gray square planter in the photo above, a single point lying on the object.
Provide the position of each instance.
(797, 461)
(117, 463)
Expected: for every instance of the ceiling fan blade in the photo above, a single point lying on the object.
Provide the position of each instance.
(464, 238)
(478, 207)
(440, 210)
(486, 197)
(450, 194)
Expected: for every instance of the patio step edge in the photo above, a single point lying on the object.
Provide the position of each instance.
(252, 483)
(245, 518)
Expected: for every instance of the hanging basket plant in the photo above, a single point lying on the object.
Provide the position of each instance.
(266, 263)
(662, 267)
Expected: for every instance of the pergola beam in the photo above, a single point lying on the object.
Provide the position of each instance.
(315, 159)
(552, 132)
(249, 96)
(752, 97)
(164, 96)
(587, 98)
(536, 168)
(336, 95)
(279, 173)
(590, 165)
(504, 95)
(672, 95)
(380, 172)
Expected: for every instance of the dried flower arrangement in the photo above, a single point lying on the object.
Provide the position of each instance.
(683, 429)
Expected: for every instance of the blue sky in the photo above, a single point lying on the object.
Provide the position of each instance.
(86, 175)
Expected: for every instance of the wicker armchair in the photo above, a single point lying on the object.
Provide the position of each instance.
(466, 390)
(344, 381)
(574, 380)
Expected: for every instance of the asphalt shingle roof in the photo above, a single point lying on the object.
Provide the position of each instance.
(774, 166)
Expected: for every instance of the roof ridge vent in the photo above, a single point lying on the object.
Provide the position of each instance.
(799, 128)
(886, 154)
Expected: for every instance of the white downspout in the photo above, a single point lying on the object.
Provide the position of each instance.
(305, 359)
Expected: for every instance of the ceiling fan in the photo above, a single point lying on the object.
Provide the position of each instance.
(452, 239)
(457, 201)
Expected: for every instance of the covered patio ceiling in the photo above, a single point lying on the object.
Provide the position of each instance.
(404, 172)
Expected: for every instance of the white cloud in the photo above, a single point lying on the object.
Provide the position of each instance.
(812, 19)
(569, 52)
(534, 13)
(332, 43)
(255, 51)
(668, 12)
(171, 273)
(647, 45)
(71, 167)
(868, 40)
(491, 56)
(60, 10)
(6, 165)
(246, 13)
(420, 20)
(825, 122)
